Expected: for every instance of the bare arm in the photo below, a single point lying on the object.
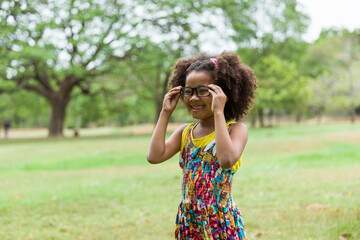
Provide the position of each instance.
(160, 149)
(229, 144)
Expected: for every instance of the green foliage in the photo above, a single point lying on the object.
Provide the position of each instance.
(24, 109)
(85, 110)
(333, 62)
(68, 44)
(53, 47)
(276, 40)
(265, 22)
(111, 61)
(281, 87)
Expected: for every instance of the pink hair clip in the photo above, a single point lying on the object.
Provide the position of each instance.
(214, 60)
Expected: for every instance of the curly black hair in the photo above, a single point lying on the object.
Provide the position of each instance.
(237, 80)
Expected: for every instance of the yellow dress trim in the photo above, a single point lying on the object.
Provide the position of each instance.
(202, 142)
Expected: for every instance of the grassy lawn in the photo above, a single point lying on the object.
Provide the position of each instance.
(296, 182)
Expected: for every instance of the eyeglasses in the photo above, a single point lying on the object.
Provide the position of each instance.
(201, 91)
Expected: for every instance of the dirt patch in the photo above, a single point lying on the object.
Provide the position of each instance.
(149, 128)
(120, 171)
(288, 145)
(299, 145)
(42, 133)
(348, 173)
(345, 137)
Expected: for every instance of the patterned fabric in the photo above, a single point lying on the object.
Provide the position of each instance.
(207, 210)
(203, 141)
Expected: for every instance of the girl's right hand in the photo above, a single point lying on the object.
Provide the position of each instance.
(171, 99)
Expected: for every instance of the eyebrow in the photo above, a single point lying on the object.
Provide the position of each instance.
(197, 86)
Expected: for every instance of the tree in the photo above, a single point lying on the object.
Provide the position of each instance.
(235, 19)
(180, 25)
(24, 109)
(152, 71)
(321, 91)
(270, 30)
(281, 87)
(70, 43)
(333, 62)
(351, 73)
(51, 47)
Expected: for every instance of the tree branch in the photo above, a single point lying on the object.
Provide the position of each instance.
(85, 89)
(74, 51)
(100, 43)
(7, 91)
(43, 80)
(67, 85)
(36, 89)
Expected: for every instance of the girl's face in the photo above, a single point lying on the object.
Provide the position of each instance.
(198, 107)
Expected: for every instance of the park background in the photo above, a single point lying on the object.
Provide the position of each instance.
(99, 70)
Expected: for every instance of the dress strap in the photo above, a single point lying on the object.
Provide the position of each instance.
(186, 134)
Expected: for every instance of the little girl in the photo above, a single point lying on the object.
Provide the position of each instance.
(215, 91)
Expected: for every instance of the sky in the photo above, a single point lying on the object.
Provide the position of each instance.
(330, 13)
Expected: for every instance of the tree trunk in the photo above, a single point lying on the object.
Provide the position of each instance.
(349, 49)
(159, 98)
(298, 117)
(352, 115)
(261, 117)
(270, 118)
(352, 99)
(159, 105)
(58, 113)
(252, 117)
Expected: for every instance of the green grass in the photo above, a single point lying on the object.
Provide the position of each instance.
(103, 187)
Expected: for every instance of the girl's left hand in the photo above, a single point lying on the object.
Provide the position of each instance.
(219, 99)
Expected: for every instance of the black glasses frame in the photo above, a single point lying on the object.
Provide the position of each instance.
(194, 90)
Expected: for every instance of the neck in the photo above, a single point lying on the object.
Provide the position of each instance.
(207, 123)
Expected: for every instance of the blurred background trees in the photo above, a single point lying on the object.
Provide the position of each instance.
(332, 62)
(80, 63)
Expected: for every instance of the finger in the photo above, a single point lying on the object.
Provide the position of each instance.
(177, 97)
(178, 88)
(212, 88)
(212, 92)
(215, 88)
(175, 100)
(219, 91)
(174, 91)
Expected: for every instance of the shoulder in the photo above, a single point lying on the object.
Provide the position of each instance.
(183, 127)
(184, 130)
(238, 128)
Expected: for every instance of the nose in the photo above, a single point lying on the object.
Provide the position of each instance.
(194, 96)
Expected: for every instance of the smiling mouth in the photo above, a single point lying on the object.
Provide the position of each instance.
(197, 108)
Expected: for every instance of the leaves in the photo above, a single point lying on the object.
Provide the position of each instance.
(333, 62)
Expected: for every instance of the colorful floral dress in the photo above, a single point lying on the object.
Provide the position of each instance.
(207, 210)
